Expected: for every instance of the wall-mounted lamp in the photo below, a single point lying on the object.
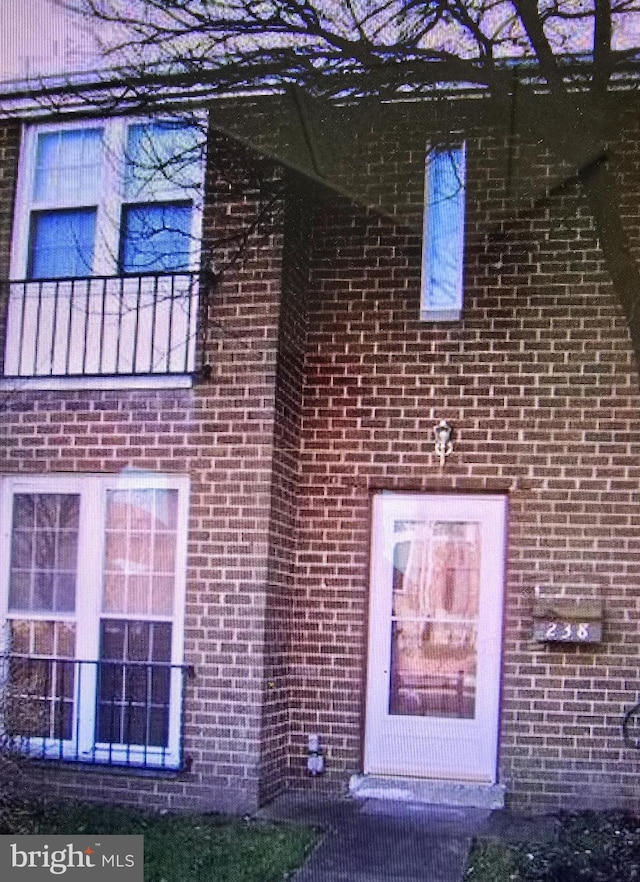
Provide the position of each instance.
(443, 444)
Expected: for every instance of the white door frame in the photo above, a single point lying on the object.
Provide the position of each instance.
(435, 746)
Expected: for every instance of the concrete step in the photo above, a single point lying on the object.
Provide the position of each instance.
(431, 791)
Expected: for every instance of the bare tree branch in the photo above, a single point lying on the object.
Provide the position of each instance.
(351, 49)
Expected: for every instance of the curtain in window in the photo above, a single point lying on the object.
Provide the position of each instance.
(68, 165)
(66, 188)
(139, 577)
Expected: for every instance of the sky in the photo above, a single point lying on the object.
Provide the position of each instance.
(39, 38)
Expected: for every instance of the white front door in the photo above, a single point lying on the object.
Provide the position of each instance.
(435, 633)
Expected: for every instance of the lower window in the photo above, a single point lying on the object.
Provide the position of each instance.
(93, 599)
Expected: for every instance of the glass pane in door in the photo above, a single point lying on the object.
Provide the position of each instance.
(44, 551)
(140, 552)
(134, 683)
(436, 581)
(40, 688)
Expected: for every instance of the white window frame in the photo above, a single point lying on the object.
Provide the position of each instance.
(88, 615)
(442, 279)
(111, 197)
(53, 351)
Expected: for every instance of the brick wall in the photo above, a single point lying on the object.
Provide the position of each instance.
(220, 433)
(280, 626)
(9, 149)
(322, 386)
(538, 381)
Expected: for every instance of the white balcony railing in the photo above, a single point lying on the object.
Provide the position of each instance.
(101, 326)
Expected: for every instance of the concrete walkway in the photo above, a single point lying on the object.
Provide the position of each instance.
(372, 840)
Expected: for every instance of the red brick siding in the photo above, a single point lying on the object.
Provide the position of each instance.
(538, 381)
(280, 627)
(321, 394)
(9, 149)
(220, 433)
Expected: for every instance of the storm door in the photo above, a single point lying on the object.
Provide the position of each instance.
(435, 623)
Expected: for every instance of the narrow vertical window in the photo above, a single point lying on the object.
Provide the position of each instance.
(443, 234)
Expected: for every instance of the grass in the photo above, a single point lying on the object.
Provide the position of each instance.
(589, 847)
(492, 862)
(192, 848)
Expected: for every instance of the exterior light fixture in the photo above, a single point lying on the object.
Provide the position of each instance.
(443, 444)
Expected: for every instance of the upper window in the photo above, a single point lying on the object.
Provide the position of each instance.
(111, 198)
(93, 595)
(120, 200)
(443, 237)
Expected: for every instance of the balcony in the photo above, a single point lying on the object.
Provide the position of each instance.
(114, 713)
(101, 327)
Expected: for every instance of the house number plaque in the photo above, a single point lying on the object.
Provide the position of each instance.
(561, 620)
(558, 631)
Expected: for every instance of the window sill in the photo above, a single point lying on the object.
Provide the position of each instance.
(440, 315)
(54, 384)
(74, 765)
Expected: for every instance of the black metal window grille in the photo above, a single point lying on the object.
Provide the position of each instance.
(129, 718)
